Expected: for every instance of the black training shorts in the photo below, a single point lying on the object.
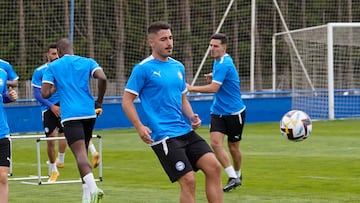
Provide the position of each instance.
(5, 152)
(179, 155)
(230, 125)
(78, 130)
(51, 122)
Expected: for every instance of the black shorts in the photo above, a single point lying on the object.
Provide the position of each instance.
(230, 125)
(5, 152)
(179, 155)
(75, 130)
(51, 122)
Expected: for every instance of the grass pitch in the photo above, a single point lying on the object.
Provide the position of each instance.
(323, 168)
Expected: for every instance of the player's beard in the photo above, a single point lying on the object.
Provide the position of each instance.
(167, 52)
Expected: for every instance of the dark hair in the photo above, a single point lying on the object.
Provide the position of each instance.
(157, 26)
(51, 46)
(220, 36)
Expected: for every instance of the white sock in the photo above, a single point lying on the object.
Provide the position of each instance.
(92, 148)
(238, 173)
(86, 192)
(61, 157)
(90, 182)
(230, 172)
(52, 166)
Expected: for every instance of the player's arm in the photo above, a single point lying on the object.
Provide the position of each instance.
(37, 94)
(188, 112)
(209, 88)
(47, 90)
(12, 83)
(39, 98)
(130, 111)
(102, 82)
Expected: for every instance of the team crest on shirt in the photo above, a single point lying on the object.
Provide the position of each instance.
(180, 75)
(1, 82)
(179, 165)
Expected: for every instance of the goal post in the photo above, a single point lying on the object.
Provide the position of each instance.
(321, 68)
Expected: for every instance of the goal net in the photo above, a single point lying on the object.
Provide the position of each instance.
(321, 67)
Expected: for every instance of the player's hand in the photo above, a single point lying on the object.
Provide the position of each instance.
(56, 110)
(98, 112)
(188, 87)
(208, 77)
(144, 134)
(12, 94)
(195, 121)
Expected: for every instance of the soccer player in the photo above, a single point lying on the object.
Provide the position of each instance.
(12, 80)
(50, 109)
(159, 82)
(227, 111)
(7, 95)
(69, 76)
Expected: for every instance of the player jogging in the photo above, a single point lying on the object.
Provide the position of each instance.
(69, 76)
(50, 116)
(227, 111)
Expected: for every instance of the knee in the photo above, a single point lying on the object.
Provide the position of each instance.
(188, 181)
(216, 145)
(234, 148)
(3, 177)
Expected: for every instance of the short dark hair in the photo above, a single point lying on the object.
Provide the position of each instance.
(220, 36)
(51, 46)
(157, 26)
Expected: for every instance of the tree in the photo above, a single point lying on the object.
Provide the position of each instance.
(90, 29)
(188, 55)
(120, 29)
(22, 47)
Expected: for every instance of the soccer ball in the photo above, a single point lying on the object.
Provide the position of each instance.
(295, 125)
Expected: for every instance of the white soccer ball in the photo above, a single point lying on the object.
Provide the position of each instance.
(296, 125)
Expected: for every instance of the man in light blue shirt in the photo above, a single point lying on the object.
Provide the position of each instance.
(69, 76)
(227, 111)
(159, 82)
(7, 95)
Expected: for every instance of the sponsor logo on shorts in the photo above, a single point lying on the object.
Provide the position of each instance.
(179, 165)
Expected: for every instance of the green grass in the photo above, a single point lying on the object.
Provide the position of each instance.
(323, 168)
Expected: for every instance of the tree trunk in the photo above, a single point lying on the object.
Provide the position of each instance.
(120, 46)
(258, 52)
(235, 54)
(90, 30)
(188, 55)
(349, 70)
(66, 16)
(303, 13)
(22, 47)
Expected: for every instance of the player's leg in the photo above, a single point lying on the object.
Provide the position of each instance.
(61, 153)
(94, 154)
(217, 129)
(187, 187)
(173, 158)
(4, 187)
(50, 123)
(212, 170)
(54, 173)
(216, 140)
(4, 169)
(202, 157)
(78, 134)
(62, 147)
(234, 148)
(235, 129)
